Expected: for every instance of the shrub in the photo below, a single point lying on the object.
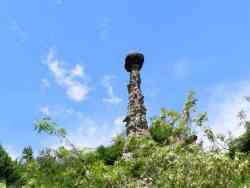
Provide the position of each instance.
(112, 153)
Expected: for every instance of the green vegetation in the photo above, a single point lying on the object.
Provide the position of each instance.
(172, 156)
(9, 170)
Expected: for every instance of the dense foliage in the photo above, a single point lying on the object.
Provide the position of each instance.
(172, 156)
(241, 144)
(9, 170)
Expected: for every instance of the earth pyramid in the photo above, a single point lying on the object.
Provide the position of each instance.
(136, 121)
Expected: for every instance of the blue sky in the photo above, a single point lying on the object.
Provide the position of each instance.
(65, 58)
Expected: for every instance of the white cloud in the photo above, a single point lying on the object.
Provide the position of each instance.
(112, 98)
(45, 110)
(92, 134)
(119, 121)
(71, 80)
(77, 71)
(119, 126)
(11, 150)
(83, 131)
(224, 105)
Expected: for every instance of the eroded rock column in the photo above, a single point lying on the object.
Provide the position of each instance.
(136, 122)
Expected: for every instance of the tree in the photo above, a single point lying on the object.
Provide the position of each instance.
(27, 154)
(242, 143)
(112, 153)
(172, 126)
(9, 171)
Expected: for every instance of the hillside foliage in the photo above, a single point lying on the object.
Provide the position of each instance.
(172, 156)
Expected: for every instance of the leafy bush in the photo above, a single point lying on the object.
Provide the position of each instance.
(9, 170)
(160, 130)
(242, 143)
(168, 158)
(112, 153)
(171, 126)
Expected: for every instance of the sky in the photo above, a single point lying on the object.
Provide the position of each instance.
(65, 59)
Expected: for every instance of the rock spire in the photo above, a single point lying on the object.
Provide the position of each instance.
(136, 122)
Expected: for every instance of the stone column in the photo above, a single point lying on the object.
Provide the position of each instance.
(136, 122)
